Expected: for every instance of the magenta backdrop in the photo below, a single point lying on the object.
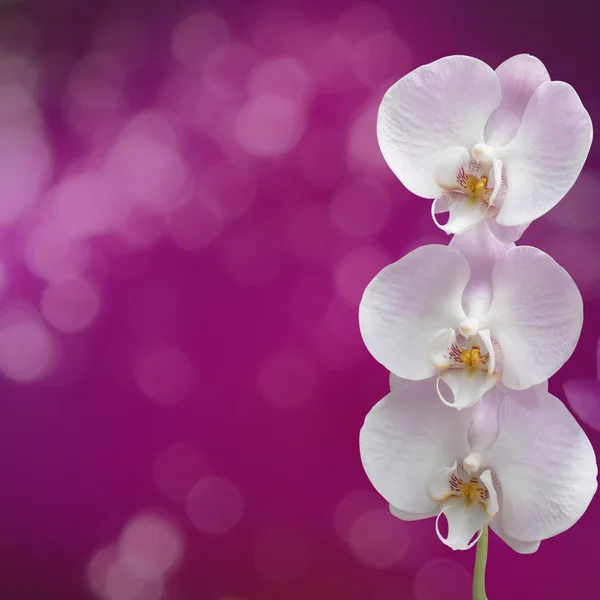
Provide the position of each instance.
(192, 201)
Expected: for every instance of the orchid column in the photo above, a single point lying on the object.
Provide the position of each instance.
(472, 331)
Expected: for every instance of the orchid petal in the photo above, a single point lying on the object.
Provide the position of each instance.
(491, 504)
(397, 383)
(481, 249)
(447, 166)
(464, 212)
(546, 155)
(516, 545)
(507, 233)
(408, 436)
(546, 468)
(443, 104)
(467, 385)
(465, 519)
(519, 77)
(407, 516)
(484, 427)
(407, 303)
(536, 315)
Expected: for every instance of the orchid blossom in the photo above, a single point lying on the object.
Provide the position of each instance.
(502, 145)
(474, 313)
(523, 465)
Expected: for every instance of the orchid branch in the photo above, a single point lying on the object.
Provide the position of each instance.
(479, 569)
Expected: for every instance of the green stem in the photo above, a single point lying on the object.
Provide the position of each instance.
(479, 570)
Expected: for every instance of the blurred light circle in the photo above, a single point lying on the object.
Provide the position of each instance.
(86, 204)
(378, 539)
(269, 125)
(123, 583)
(583, 396)
(151, 546)
(98, 568)
(283, 76)
(287, 378)
(356, 269)
(363, 154)
(18, 106)
(178, 468)
(53, 256)
(380, 58)
(214, 505)
(24, 170)
(96, 83)
(196, 224)
(360, 208)
(165, 374)
(282, 555)
(278, 30)
(142, 230)
(226, 70)
(70, 305)
(195, 36)
(147, 164)
(442, 578)
(28, 350)
(19, 70)
(351, 508)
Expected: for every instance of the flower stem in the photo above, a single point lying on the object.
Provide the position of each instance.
(479, 569)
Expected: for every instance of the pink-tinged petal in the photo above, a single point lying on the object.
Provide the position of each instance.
(448, 163)
(536, 315)
(406, 438)
(485, 424)
(546, 468)
(583, 396)
(443, 104)
(482, 249)
(467, 386)
(407, 303)
(464, 212)
(519, 77)
(507, 234)
(546, 155)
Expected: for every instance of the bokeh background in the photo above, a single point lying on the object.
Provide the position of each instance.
(191, 203)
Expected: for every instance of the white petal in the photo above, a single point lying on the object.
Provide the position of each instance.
(447, 166)
(519, 77)
(397, 383)
(467, 386)
(482, 249)
(484, 428)
(491, 504)
(486, 338)
(406, 438)
(546, 155)
(516, 545)
(536, 315)
(546, 468)
(407, 516)
(437, 350)
(465, 520)
(464, 212)
(443, 104)
(407, 303)
(438, 486)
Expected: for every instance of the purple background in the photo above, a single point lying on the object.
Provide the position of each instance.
(192, 201)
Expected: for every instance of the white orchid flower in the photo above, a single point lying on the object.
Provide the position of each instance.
(475, 312)
(523, 466)
(504, 145)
